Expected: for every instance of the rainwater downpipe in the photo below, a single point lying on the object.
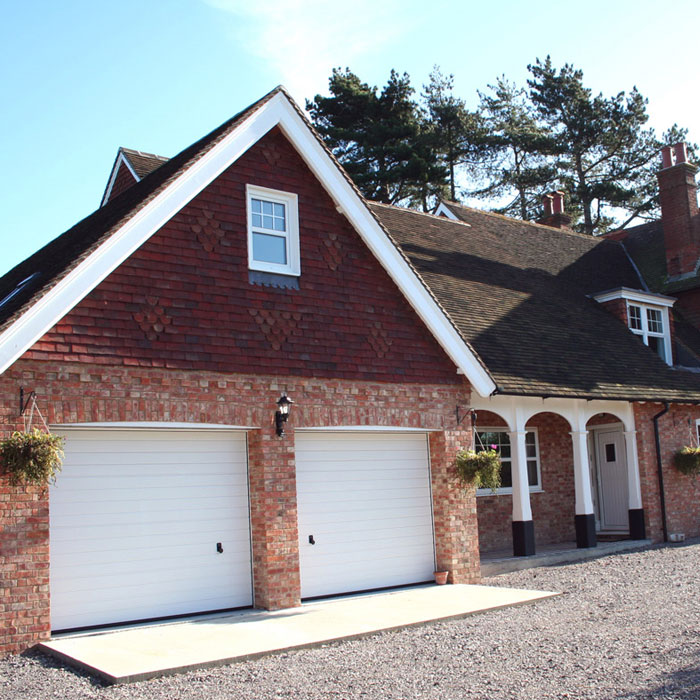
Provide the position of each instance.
(662, 495)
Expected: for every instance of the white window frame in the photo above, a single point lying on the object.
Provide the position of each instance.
(291, 235)
(644, 333)
(508, 490)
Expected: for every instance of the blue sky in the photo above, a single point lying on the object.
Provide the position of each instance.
(81, 78)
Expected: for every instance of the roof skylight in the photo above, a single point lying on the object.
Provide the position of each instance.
(18, 289)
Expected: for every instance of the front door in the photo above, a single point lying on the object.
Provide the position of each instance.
(613, 497)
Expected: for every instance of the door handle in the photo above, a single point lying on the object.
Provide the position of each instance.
(219, 548)
(312, 540)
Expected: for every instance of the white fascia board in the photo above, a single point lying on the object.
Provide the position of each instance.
(278, 111)
(149, 425)
(442, 210)
(635, 295)
(121, 158)
(356, 211)
(364, 429)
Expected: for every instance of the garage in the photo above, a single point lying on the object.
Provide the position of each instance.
(365, 511)
(149, 523)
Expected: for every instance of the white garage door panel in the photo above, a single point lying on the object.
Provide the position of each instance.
(135, 519)
(366, 500)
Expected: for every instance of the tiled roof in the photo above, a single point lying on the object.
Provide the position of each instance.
(54, 261)
(518, 293)
(143, 163)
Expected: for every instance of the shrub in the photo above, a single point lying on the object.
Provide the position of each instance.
(481, 469)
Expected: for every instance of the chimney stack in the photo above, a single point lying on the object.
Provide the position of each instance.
(679, 211)
(553, 205)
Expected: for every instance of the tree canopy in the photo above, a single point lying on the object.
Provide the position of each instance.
(516, 144)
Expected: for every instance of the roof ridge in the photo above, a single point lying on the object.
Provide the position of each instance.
(420, 213)
(124, 149)
(568, 232)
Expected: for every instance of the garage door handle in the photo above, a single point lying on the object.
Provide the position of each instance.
(219, 548)
(312, 540)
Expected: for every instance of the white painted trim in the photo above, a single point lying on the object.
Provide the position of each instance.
(442, 210)
(364, 429)
(149, 425)
(121, 158)
(278, 111)
(644, 331)
(517, 410)
(635, 295)
(290, 203)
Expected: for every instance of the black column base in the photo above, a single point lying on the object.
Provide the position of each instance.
(637, 529)
(523, 538)
(585, 531)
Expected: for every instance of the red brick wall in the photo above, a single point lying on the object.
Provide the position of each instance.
(70, 392)
(618, 308)
(682, 492)
(454, 509)
(122, 181)
(679, 213)
(183, 300)
(553, 508)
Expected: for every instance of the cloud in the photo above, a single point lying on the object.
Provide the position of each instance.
(302, 40)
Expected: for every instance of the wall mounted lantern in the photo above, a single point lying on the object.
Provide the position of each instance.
(284, 403)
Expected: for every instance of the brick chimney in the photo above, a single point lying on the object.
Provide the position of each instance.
(553, 204)
(679, 211)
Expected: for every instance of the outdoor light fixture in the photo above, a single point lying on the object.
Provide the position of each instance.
(284, 403)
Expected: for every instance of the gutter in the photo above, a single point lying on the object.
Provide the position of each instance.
(662, 495)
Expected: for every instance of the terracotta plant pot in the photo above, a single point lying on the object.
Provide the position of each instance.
(441, 577)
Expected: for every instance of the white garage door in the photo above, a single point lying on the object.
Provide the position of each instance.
(364, 500)
(136, 517)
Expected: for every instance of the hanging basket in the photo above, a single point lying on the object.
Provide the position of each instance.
(480, 469)
(32, 457)
(687, 460)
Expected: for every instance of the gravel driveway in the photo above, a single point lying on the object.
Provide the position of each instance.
(627, 627)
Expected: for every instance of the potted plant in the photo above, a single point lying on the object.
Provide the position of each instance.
(687, 460)
(32, 457)
(441, 577)
(481, 469)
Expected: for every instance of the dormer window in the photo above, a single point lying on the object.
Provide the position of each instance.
(648, 323)
(273, 231)
(647, 316)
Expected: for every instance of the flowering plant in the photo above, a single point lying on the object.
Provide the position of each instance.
(481, 469)
(687, 460)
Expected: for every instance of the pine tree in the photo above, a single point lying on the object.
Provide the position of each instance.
(456, 135)
(378, 138)
(604, 157)
(514, 152)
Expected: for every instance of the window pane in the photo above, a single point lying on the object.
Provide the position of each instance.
(506, 476)
(610, 452)
(279, 210)
(268, 222)
(532, 472)
(635, 313)
(257, 220)
(530, 451)
(257, 206)
(267, 207)
(657, 345)
(279, 224)
(654, 321)
(272, 249)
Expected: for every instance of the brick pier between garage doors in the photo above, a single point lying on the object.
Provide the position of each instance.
(138, 511)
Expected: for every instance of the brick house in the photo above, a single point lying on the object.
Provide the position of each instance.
(160, 333)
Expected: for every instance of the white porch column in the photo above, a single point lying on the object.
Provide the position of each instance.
(585, 514)
(636, 508)
(523, 527)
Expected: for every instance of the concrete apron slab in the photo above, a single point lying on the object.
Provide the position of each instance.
(141, 652)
